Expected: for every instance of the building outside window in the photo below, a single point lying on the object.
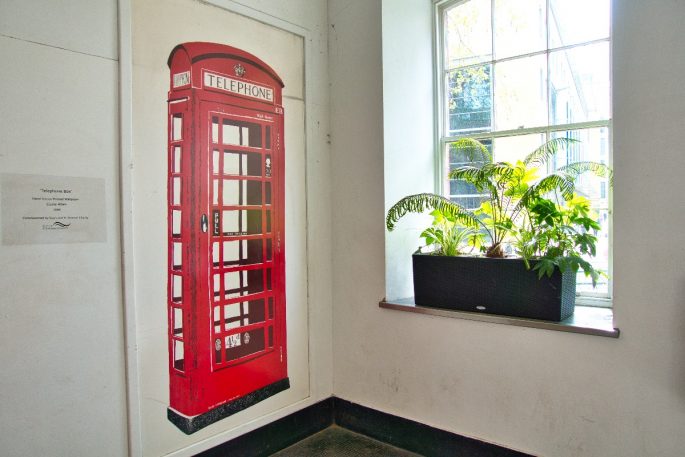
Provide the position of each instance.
(516, 73)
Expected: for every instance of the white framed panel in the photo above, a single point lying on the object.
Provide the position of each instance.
(150, 432)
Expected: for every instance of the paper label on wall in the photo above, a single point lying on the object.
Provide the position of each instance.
(37, 209)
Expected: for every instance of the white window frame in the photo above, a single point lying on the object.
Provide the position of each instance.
(442, 138)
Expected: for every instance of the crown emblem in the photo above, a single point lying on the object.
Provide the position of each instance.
(239, 70)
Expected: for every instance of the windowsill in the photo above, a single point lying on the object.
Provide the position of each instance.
(587, 320)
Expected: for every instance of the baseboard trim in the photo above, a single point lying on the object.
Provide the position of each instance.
(279, 434)
(411, 435)
(394, 430)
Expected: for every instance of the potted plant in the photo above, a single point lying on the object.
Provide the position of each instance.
(548, 227)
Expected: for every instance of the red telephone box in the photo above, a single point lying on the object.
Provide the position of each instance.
(226, 240)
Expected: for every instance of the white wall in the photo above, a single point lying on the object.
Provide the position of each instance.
(543, 392)
(408, 128)
(61, 337)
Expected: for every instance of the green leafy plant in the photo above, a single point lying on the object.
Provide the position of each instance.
(559, 235)
(448, 235)
(542, 217)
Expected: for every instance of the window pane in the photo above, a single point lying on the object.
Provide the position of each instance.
(232, 314)
(267, 193)
(579, 84)
(468, 33)
(239, 192)
(242, 163)
(242, 222)
(470, 202)
(457, 157)
(513, 148)
(177, 288)
(241, 133)
(176, 191)
(593, 145)
(242, 252)
(176, 168)
(177, 127)
(177, 256)
(215, 130)
(460, 192)
(460, 188)
(469, 100)
(231, 133)
(178, 322)
(175, 222)
(519, 27)
(600, 262)
(521, 93)
(178, 355)
(238, 283)
(578, 21)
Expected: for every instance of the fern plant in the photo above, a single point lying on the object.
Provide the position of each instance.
(541, 216)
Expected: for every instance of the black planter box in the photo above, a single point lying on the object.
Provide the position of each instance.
(492, 286)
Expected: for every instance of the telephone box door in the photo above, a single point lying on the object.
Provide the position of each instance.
(246, 264)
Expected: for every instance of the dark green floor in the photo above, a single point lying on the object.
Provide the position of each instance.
(335, 441)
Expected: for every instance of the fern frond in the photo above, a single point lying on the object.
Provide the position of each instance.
(421, 202)
(499, 171)
(546, 151)
(474, 150)
(489, 176)
(556, 181)
(562, 182)
(468, 173)
(598, 169)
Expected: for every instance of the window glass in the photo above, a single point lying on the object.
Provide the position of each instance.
(519, 27)
(521, 93)
(513, 148)
(517, 73)
(176, 191)
(469, 99)
(578, 21)
(178, 322)
(241, 133)
(177, 256)
(177, 127)
(178, 355)
(460, 192)
(177, 159)
(215, 130)
(579, 84)
(175, 222)
(468, 33)
(590, 143)
(177, 288)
